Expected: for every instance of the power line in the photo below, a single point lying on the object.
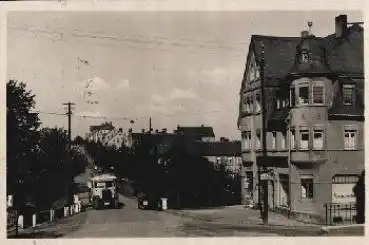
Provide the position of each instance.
(142, 117)
(132, 39)
(79, 33)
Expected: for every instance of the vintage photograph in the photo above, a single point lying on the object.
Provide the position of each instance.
(139, 124)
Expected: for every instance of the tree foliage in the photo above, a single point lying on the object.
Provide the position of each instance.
(39, 163)
(22, 132)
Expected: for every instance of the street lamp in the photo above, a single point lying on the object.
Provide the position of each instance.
(264, 209)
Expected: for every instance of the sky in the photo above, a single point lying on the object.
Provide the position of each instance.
(179, 68)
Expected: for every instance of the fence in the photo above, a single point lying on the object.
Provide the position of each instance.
(32, 219)
(340, 214)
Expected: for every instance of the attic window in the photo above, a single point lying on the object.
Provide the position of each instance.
(348, 91)
(305, 56)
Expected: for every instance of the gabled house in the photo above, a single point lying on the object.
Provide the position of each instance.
(314, 93)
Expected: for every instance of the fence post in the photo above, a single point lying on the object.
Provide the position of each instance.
(21, 222)
(34, 220)
(330, 214)
(326, 214)
(51, 215)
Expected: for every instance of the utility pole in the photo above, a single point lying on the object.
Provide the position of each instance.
(264, 139)
(69, 114)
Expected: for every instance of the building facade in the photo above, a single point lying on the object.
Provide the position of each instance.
(314, 119)
(108, 135)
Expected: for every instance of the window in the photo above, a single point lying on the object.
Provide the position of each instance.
(293, 139)
(305, 57)
(257, 104)
(304, 139)
(303, 95)
(274, 135)
(318, 139)
(258, 143)
(307, 187)
(350, 139)
(283, 103)
(318, 94)
(348, 92)
(278, 103)
(292, 97)
(246, 140)
(283, 140)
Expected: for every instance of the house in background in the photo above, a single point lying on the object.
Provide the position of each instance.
(314, 92)
(220, 153)
(107, 134)
(202, 133)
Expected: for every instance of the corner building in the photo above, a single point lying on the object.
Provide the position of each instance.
(314, 92)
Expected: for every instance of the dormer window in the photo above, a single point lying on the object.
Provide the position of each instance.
(348, 91)
(305, 56)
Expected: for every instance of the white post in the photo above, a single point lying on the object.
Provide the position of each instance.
(51, 215)
(71, 209)
(164, 204)
(20, 222)
(34, 220)
(79, 206)
(66, 211)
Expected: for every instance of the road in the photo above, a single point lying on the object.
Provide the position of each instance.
(129, 221)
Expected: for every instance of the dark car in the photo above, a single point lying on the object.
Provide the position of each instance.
(149, 201)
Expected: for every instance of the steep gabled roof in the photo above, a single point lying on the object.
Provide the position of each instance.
(344, 55)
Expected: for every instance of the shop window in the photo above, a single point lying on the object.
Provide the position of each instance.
(304, 139)
(318, 139)
(350, 139)
(348, 91)
(318, 94)
(303, 95)
(307, 187)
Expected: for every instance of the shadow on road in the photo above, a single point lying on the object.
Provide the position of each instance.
(226, 230)
(37, 234)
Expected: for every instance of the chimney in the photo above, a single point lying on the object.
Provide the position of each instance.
(130, 130)
(304, 34)
(164, 130)
(202, 125)
(341, 25)
(156, 131)
(143, 130)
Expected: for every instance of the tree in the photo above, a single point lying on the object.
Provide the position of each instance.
(22, 135)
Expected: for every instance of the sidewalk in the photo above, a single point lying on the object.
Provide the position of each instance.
(239, 215)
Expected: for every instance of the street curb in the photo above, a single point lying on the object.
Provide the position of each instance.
(330, 229)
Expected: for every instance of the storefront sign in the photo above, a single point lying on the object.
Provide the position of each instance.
(343, 193)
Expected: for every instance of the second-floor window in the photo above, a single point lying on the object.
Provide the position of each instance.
(304, 139)
(292, 97)
(318, 94)
(274, 135)
(283, 140)
(258, 140)
(350, 139)
(257, 103)
(348, 92)
(303, 95)
(292, 139)
(318, 139)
